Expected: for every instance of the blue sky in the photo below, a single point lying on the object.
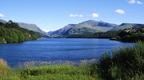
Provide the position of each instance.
(53, 14)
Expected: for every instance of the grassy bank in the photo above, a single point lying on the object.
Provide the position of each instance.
(122, 64)
(57, 72)
(49, 72)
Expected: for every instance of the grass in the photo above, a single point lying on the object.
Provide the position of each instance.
(122, 64)
(57, 72)
(48, 72)
(6, 73)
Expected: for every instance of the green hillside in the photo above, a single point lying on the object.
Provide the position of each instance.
(10, 32)
(132, 34)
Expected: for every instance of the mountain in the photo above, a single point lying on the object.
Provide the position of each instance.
(31, 27)
(2, 21)
(62, 31)
(131, 32)
(127, 26)
(86, 27)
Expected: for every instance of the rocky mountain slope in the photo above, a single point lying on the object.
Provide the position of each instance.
(86, 27)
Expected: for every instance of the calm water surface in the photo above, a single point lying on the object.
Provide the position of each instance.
(57, 49)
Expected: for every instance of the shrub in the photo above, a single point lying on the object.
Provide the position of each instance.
(124, 64)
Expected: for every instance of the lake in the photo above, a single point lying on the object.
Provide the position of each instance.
(54, 49)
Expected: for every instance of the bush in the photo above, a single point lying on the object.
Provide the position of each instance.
(124, 64)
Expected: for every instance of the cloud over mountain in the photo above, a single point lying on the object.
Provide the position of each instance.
(1, 15)
(120, 11)
(95, 15)
(76, 15)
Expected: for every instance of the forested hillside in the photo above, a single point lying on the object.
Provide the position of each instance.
(132, 34)
(10, 32)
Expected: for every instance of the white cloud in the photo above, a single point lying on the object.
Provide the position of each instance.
(76, 15)
(120, 11)
(1, 15)
(135, 2)
(139, 2)
(95, 15)
(132, 1)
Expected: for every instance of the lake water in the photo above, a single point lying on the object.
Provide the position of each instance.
(57, 50)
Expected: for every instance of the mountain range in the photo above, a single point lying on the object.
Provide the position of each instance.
(91, 27)
(86, 27)
(83, 28)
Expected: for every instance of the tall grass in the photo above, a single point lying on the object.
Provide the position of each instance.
(124, 64)
(47, 72)
(6, 73)
(57, 72)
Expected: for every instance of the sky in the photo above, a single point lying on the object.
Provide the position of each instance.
(50, 15)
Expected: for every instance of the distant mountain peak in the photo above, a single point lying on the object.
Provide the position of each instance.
(71, 24)
(86, 27)
(32, 27)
